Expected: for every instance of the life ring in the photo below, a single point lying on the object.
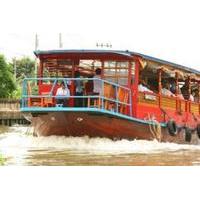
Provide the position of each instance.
(172, 128)
(198, 130)
(188, 134)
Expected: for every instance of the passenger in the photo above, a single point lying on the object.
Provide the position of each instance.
(179, 95)
(69, 82)
(196, 96)
(79, 90)
(192, 96)
(62, 95)
(166, 90)
(185, 91)
(142, 87)
(173, 87)
(89, 85)
(97, 88)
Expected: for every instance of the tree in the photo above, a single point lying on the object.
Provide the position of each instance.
(24, 67)
(7, 84)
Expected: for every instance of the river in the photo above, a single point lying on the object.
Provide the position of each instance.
(19, 147)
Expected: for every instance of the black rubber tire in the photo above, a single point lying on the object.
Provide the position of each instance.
(188, 134)
(198, 130)
(172, 128)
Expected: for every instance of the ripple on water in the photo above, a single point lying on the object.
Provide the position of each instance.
(17, 142)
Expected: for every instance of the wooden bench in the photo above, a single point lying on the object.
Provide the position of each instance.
(47, 101)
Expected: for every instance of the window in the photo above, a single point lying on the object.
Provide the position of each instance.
(116, 71)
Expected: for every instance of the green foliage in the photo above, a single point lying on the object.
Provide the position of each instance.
(24, 67)
(17, 93)
(2, 160)
(7, 84)
(9, 87)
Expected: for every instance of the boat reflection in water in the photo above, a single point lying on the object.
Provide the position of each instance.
(19, 147)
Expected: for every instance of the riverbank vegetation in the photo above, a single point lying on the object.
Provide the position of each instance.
(2, 160)
(7, 84)
(11, 75)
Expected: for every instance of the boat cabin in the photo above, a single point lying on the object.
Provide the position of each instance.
(132, 85)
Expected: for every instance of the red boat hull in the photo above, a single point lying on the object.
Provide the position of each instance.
(100, 125)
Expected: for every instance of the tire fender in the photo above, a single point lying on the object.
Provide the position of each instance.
(188, 134)
(172, 128)
(198, 130)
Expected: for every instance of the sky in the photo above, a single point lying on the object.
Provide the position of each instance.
(167, 30)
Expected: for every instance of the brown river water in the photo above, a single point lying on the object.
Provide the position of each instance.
(19, 147)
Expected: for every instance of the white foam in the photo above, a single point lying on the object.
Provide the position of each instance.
(17, 139)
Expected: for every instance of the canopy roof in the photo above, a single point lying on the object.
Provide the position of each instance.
(112, 53)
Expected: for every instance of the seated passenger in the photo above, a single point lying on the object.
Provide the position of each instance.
(185, 91)
(173, 87)
(166, 90)
(196, 96)
(142, 87)
(179, 95)
(62, 94)
(192, 96)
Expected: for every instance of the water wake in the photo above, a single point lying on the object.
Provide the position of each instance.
(20, 139)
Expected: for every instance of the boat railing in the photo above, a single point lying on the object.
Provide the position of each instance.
(40, 93)
(173, 103)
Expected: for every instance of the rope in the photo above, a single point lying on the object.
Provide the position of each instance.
(155, 128)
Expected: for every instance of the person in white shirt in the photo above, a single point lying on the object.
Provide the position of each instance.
(166, 90)
(97, 85)
(191, 97)
(143, 88)
(195, 94)
(62, 95)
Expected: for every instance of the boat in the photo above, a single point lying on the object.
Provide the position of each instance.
(132, 102)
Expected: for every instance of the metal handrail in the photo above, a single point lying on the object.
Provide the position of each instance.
(25, 96)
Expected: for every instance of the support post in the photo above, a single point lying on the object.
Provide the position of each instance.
(40, 71)
(159, 86)
(72, 86)
(135, 87)
(189, 93)
(117, 99)
(199, 95)
(177, 92)
(102, 97)
(102, 70)
(36, 48)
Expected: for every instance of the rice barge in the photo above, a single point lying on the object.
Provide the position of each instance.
(114, 94)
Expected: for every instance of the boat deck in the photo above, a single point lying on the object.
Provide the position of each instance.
(115, 100)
